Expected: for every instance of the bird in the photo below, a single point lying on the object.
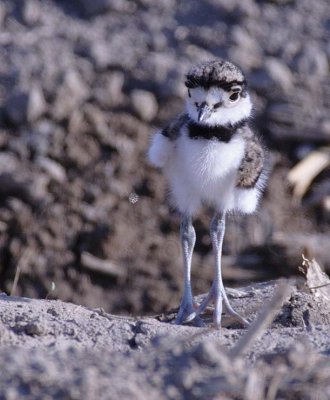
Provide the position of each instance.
(211, 157)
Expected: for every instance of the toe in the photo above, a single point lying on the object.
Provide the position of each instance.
(190, 317)
(217, 310)
(197, 321)
(187, 315)
(217, 318)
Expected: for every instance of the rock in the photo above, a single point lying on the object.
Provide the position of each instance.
(31, 12)
(96, 118)
(247, 59)
(72, 92)
(24, 106)
(54, 169)
(144, 104)
(280, 74)
(109, 90)
(99, 54)
(242, 38)
(245, 51)
(36, 105)
(313, 62)
(115, 87)
(30, 329)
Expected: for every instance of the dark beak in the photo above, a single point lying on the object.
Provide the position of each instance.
(203, 112)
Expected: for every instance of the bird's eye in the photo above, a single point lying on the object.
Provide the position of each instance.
(217, 105)
(234, 97)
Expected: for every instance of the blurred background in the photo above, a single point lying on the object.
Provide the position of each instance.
(84, 84)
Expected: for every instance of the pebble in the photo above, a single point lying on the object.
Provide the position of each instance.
(144, 104)
(99, 54)
(71, 93)
(109, 91)
(313, 62)
(53, 168)
(37, 105)
(280, 73)
(31, 12)
(25, 106)
(30, 328)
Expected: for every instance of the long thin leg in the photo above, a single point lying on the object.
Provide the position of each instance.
(217, 232)
(217, 292)
(187, 311)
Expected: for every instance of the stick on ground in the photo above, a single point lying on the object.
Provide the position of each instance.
(263, 321)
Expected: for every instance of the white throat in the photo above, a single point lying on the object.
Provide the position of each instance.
(224, 115)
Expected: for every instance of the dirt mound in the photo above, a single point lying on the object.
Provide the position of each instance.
(107, 356)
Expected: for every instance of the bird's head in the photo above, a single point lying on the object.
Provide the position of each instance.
(217, 94)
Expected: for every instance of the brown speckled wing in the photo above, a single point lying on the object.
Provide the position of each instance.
(253, 162)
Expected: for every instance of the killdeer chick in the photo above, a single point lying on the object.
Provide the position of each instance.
(210, 156)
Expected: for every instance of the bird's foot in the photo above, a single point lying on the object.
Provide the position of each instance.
(187, 313)
(235, 315)
(217, 295)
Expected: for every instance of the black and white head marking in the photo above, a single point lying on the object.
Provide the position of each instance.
(217, 94)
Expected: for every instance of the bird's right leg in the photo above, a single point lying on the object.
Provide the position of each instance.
(187, 311)
(217, 293)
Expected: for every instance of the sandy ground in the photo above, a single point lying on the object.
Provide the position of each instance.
(55, 350)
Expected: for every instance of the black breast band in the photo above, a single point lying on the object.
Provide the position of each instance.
(221, 133)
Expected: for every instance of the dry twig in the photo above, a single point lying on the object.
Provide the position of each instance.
(264, 319)
(92, 263)
(21, 263)
(302, 174)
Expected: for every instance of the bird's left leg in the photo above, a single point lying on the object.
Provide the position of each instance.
(217, 292)
(187, 311)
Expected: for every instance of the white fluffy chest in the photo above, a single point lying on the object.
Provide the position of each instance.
(209, 160)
